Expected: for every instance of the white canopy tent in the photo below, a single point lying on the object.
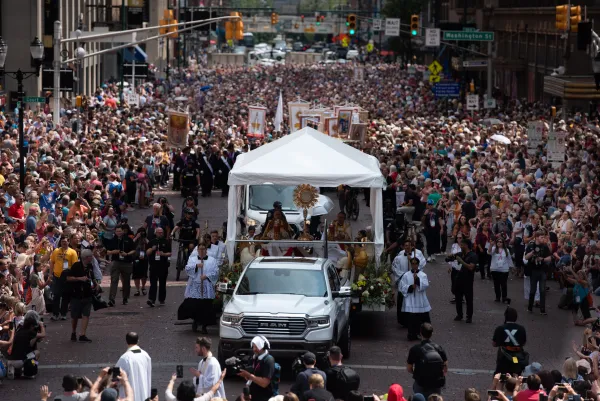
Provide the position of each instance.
(306, 157)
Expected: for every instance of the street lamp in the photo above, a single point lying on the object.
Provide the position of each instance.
(36, 48)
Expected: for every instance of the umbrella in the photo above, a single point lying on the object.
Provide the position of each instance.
(324, 205)
(205, 88)
(500, 138)
(181, 99)
(492, 121)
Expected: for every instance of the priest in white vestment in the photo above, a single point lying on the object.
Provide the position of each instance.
(138, 365)
(203, 273)
(400, 266)
(416, 305)
(216, 248)
(209, 369)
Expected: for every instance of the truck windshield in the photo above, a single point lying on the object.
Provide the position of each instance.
(262, 197)
(310, 283)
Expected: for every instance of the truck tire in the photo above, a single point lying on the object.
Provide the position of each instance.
(345, 342)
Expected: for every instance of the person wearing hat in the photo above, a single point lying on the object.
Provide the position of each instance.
(301, 385)
(263, 368)
(83, 286)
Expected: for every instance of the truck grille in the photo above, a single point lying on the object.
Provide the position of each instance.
(274, 326)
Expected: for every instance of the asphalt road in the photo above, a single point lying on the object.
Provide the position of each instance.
(379, 346)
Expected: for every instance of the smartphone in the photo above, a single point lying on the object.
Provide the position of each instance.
(116, 372)
(246, 391)
(493, 393)
(503, 377)
(543, 397)
(368, 398)
(179, 370)
(153, 393)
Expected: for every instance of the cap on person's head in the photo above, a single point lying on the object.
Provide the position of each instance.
(69, 383)
(430, 202)
(309, 358)
(110, 394)
(532, 369)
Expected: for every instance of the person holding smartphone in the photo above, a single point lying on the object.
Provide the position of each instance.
(186, 391)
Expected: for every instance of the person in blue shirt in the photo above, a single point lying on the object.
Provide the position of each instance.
(31, 221)
(48, 197)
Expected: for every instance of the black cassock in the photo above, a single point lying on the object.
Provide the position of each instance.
(207, 173)
(223, 169)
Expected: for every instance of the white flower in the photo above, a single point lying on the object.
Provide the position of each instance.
(365, 294)
(372, 287)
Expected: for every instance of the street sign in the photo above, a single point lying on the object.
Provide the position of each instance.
(434, 78)
(472, 102)
(132, 99)
(446, 89)
(377, 24)
(141, 70)
(469, 36)
(392, 27)
(489, 104)
(33, 99)
(432, 37)
(435, 68)
(475, 63)
(66, 79)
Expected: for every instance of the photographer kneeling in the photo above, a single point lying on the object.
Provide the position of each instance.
(24, 353)
(302, 379)
(263, 367)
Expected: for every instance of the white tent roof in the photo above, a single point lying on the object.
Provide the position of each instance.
(307, 156)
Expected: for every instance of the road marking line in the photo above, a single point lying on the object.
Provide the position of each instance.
(171, 364)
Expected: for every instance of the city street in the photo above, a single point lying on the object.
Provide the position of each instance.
(379, 345)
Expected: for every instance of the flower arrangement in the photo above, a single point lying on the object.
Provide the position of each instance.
(374, 285)
(230, 273)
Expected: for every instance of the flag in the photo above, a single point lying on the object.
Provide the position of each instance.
(296, 109)
(178, 129)
(279, 114)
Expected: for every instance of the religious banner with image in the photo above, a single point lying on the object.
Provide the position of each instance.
(304, 118)
(331, 126)
(178, 129)
(256, 121)
(312, 123)
(344, 119)
(296, 109)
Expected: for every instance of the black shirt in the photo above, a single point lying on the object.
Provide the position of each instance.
(539, 251)
(464, 274)
(415, 356)
(81, 289)
(262, 368)
(189, 177)
(510, 335)
(162, 245)
(187, 229)
(301, 385)
(124, 244)
(22, 344)
(469, 210)
(317, 394)
(336, 386)
(153, 222)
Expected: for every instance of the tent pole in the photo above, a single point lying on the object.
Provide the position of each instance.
(325, 250)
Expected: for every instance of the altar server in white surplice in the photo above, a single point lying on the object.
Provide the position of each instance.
(138, 365)
(416, 305)
(209, 369)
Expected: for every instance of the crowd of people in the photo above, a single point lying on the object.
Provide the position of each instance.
(493, 208)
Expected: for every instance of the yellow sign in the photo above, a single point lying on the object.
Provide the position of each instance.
(434, 78)
(435, 68)
(370, 47)
(135, 3)
(345, 42)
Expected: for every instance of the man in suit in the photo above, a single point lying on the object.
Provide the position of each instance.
(207, 172)
(224, 166)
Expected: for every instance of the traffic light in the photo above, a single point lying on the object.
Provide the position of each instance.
(472, 86)
(228, 30)
(237, 26)
(414, 24)
(562, 17)
(318, 20)
(553, 111)
(575, 18)
(584, 35)
(274, 18)
(351, 24)
(302, 19)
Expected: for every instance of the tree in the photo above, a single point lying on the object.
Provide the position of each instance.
(402, 9)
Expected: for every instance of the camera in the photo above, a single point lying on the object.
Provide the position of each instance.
(234, 365)
(298, 366)
(450, 258)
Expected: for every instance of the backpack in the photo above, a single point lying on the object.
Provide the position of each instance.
(347, 376)
(429, 368)
(276, 378)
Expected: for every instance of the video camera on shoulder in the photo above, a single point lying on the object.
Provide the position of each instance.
(450, 258)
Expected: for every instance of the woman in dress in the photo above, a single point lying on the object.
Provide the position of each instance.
(203, 274)
(37, 285)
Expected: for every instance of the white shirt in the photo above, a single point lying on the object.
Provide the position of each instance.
(400, 265)
(138, 365)
(501, 261)
(416, 301)
(210, 372)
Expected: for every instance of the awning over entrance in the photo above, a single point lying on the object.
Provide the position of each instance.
(571, 87)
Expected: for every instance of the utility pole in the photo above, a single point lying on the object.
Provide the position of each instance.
(124, 28)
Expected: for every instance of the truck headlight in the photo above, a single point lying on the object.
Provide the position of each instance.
(229, 319)
(318, 322)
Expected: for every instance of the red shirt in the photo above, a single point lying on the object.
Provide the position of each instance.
(528, 395)
(18, 212)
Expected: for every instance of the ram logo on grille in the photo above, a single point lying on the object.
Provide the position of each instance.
(274, 326)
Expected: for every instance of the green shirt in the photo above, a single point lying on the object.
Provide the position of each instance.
(435, 196)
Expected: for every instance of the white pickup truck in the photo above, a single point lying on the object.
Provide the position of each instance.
(298, 304)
